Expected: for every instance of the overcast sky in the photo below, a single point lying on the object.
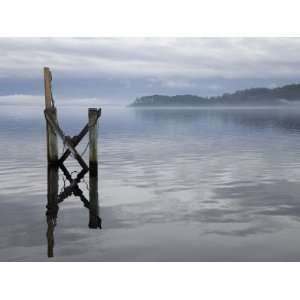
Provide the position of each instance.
(118, 70)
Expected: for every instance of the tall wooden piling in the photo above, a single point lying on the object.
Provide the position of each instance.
(93, 168)
(52, 149)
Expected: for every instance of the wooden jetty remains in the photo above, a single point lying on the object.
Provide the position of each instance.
(56, 163)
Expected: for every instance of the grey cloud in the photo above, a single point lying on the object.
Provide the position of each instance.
(159, 57)
(131, 67)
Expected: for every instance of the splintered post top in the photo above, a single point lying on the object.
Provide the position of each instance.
(48, 93)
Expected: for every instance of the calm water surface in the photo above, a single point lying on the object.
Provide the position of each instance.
(175, 185)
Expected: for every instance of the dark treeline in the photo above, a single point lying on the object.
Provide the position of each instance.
(255, 96)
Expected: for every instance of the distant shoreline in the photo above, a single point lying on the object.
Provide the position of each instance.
(288, 95)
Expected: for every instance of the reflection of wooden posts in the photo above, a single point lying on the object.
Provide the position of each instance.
(93, 168)
(52, 149)
(52, 206)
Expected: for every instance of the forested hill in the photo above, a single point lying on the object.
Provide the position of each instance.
(288, 94)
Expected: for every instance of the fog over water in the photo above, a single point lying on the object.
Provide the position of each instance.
(182, 184)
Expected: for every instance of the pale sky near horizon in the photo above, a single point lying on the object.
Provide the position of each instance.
(117, 70)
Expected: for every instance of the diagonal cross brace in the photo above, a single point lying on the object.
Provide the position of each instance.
(77, 139)
(66, 140)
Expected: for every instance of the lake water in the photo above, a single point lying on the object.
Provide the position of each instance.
(175, 185)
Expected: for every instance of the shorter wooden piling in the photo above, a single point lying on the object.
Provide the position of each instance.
(93, 168)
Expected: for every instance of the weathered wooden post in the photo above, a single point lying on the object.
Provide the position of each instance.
(52, 150)
(93, 168)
